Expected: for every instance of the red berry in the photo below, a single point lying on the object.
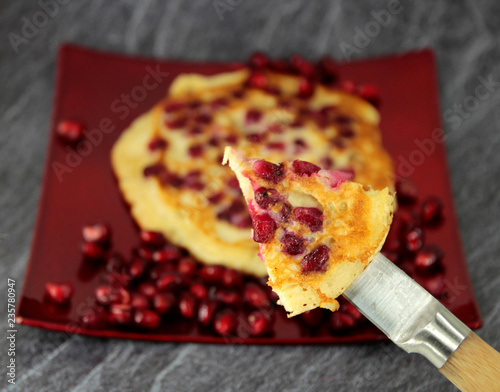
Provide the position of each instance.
(428, 259)
(255, 296)
(164, 302)
(147, 289)
(316, 260)
(258, 60)
(293, 244)
(93, 319)
(303, 168)
(232, 278)
(120, 314)
(413, 239)
(98, 232)
(59, 293)
(167, 254)
(432, 210)
(370, 93)
(309, 216)
(199, 291)
(70, 131)
(152, 238)
(92, 250)
(138, 301)
(303, 66)
(212, 273)
(263, 227)
(187, 305)
(187, 266)
(169, 281)
(264, 197)
(146, 318)
(268, 171)
(259, 323)
(225, 323)
(257, 80)
(157, 143)
(137, 268)
(206, 312)
(306, 88)
(227, 297)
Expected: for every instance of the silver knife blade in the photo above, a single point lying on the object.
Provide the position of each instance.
(410, 316)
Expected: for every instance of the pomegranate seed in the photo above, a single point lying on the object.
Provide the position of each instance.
(70, 131)
(146, 318)
(408, 219)
(152, 238)
(187, 266)
(92, 250)
(303, 168)
(432, 210)
(120, 314)
(258, 60)
(255, 296)
(406, 191)
(265, 197)
(60, 293)
(303, 66)
(309, 216)
(341, 321)
(293, 244)
(164, 302)
(206, 312)
(106, 295)
(232, 278)
(225, 323)
(212, 273)
(435, 285)
(147, 289)
(428, 259)
(93, 319)
(257, 80)
(268, 171)
(187, 305)
(227, 297)
(115, 263)
(253, 116)
(138, 301)
(216, 198)
(348, 86)
(414, 239)
(329, 70)
(98, 232)
(199, 291)
(279, 65)
(285, 212)
(145, 252)
(169, 281)
(174, 107)
(370, 93)
(168, 254)
(137, 268)
(259, 323)
(157, 143)
(263, 227)
(313, 317)
(316, 260)
(306, 88)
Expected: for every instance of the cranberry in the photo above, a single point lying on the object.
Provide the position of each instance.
(187, 305)
(309, 216)
(120, 314)
(313, 317)
(157, 143)
(306, 88)
(138, 301)
(148, 289)
(255, 296)
(259, 323)
(146, 318)
(341, 321)
(257, 80)
(174, 106)
(268, 171)
(432, 210)
(264, 197)
(164, 302)
(370, 93)
(406, 191)
(187, 266)
(70, 131)
(168, 254)
(293, 244)
(227, 297)
(263, 227)
(92, 250)
(413, 239)
(199, 291)
(60, 293)
(206, 312)
(212, 273)
(225, 322)
(428, 259)
(137, 268)
(93, 319)
(303, 168)
(316, 260)
(152, 238)
(232, 278)
(115, 263)
(169, 281)
(98, 232)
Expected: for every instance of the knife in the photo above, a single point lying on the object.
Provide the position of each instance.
(418, 323)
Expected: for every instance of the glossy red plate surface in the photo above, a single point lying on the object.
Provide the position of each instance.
(92, 87)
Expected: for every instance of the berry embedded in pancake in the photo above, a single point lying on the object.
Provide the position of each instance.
(168, 162)
(317, 230)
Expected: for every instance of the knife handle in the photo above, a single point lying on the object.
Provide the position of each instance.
(474, 366)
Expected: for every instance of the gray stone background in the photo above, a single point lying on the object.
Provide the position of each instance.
(466, 37)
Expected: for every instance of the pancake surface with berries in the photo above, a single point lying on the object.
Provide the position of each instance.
(168, 162)
(317, 230)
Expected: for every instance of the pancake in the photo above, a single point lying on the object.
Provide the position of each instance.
(168, 162)
(317, 230)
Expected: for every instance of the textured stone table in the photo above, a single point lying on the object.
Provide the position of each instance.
(466, 37)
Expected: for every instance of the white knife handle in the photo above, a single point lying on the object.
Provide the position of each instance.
(474, 366)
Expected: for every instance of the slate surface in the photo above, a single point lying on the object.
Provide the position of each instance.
(466, 37)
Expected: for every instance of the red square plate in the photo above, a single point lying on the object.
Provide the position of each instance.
(107, 90)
